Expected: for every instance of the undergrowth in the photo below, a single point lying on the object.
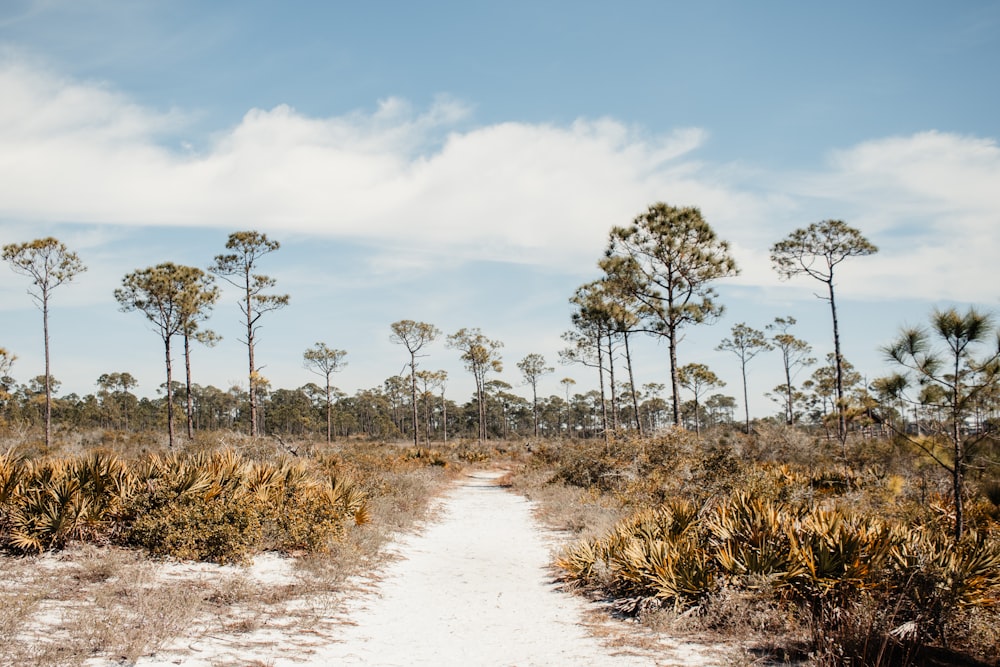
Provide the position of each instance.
(774, 538)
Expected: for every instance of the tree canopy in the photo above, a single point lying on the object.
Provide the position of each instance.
(815, 251)
(668, 259)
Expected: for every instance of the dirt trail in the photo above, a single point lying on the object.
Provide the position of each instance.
(474, 588)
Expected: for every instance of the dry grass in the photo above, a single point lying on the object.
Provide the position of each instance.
(98, 603)
(580, 512)
(585, 487)
(87, 602)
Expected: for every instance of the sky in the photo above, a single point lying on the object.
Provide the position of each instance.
(461, 163)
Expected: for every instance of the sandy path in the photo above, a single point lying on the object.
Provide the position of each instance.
(474, 588)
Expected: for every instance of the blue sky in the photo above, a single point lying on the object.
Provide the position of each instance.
(461, 163)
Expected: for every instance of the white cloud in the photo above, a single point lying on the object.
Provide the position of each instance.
(536, 193)
(931, 201)
(81, 153)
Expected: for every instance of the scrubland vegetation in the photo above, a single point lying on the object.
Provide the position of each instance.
(772, 540)
(860, 525)
(87, 530)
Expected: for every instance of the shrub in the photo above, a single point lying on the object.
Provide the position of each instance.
(193, 508)
(751, 539)
(195, 526)
(223, 508)
(938, 580)
(655, 553)
(45, 503)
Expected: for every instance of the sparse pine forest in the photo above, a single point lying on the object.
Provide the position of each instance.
(860, 524)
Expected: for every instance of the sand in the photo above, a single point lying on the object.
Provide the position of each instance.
(473, 587)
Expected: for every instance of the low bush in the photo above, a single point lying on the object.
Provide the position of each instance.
(851, 564)
(212, 505)
(194, 526)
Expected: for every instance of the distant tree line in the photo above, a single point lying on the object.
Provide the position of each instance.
(657, 278)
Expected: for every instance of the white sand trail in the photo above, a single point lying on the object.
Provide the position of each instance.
(474, 588)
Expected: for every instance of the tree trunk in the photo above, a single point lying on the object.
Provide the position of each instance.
(48, 375)
(958, 481)
(534, 409)
(253, 374)
(482, 408)
(674, 383)
(329, 412)
(746, 399)
(428, 429)
(697, 416)
(444, 418)
(413, 398)
(839, 366)
(187, 377)
(631, 384)
(611, 382)
(170, 394)
(789, 405)
(958, 467)
(604, 405)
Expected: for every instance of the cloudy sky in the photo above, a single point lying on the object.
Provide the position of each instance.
(461, 163)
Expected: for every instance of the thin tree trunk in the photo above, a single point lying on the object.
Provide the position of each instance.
(534, 396)
(839, 365)
(481, 407)
(604, 405)
(48, 375)
(427, 416)
(674, 384)
(187, 376)
(329, 412)
(746, 399)
(789, 405)
(958, 471)
(631, 384)
(250, 344)
(958, 481)
(170, 394)
(444, 419)
(413, 398)
(611, 382)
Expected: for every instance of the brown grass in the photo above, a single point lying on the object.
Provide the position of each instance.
(91, 601)
(559, 506)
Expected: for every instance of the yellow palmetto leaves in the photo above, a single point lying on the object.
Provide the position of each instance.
(674, 569)
(937, 576)
(836, 552)
(44, 504)
(578, 560)
(342, 493)
(751, 538)
(220, 506)
(654, 553)
(824, 559)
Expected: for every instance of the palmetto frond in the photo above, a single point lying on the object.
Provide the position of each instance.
(751, 535)
(837, 552)
(578, 560)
